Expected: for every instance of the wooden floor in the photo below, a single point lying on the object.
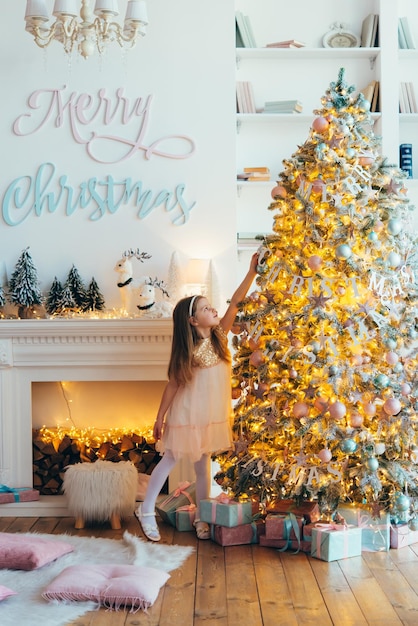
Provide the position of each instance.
(255, 586)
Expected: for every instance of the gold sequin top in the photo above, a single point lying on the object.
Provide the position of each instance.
(204, 354)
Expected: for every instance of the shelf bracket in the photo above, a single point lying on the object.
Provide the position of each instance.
(238, 126)
(237, 61)
(239, 189)
(372, 61)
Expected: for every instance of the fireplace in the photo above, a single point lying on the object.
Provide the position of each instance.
(77, 349)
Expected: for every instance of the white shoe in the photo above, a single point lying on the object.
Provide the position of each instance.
(150, 531)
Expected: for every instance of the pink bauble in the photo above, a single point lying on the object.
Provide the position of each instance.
(405, 389)
(314, 262)
(392, 406)
(297, 343)
(320, 124)
(378, 226)
(318, 186)
(369, 409)
(325, 455)
(357, 359)
(300, 409)
(337, 410)
(293, 373)
(392, 358)
(366, 160)
(256, 358)
(356, 420)
(321, 404)
(278, 192)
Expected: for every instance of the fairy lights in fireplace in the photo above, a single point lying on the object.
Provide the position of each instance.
(94, 438)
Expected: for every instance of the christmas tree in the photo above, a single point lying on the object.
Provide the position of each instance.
(54, 296)
(77, 289)
(95, 300)
(24, 288)
(325, 366)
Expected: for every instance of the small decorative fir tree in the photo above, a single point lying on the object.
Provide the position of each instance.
(54, 296)
(77, 288)
(65, 303)
(24, 285)
(325, 370)
(95, 300)
(2, 297)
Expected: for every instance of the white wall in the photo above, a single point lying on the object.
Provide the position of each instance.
(187, 63)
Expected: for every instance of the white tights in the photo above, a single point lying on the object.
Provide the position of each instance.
(160, 475)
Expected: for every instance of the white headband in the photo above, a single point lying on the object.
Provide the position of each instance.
(191, 305)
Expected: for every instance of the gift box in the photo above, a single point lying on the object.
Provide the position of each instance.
(309, 510)
(185, 516)
(375, 530)
(401, 535)
(285, 544)
(223, 511)
(184, 494)
(17, 494)
(284, 526)
(238, 535)
(331, 542)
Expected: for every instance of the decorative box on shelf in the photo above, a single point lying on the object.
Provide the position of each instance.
(331, 542)
(183, 495)
(17, 494)
(224, 511)
(375, 528)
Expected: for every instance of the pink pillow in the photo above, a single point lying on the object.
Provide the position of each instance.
(29, 552)
(114, 586)
(5, 592)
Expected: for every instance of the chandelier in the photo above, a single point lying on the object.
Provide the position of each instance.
(92, 29)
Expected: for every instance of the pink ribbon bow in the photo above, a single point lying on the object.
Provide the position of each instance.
(181, 489)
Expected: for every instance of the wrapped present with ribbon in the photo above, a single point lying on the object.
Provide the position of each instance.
(375, 528)
(282, 545)
(238, 535)
(224, 511)
(331, 542)
(17, 494)
(401, 536)
(184, 494)
(284, 526)
(185, 516)
(309, 510)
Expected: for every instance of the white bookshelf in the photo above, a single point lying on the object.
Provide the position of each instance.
(305, 73)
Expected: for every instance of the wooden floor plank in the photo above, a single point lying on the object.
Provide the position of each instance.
(371, 598)
(241, 587)
(338, 596)
(304, 591)
(273, 592)
(210, 604)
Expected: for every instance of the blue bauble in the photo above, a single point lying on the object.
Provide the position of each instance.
(401, 501)
(413, 524)
(413, 333)
(343, 251)
(373, 237)
(398, 368)
(372, 464)
(381, 381)
(394, 259)
(348, 445)
(391, 343)
(394, 226)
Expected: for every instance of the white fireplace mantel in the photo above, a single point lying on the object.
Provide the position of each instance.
(76, 349)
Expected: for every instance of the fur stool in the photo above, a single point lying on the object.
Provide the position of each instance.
(101, 491)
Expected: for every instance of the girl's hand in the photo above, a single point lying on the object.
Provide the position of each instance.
(158, 429)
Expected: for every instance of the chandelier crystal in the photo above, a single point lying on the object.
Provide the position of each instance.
(86, 29)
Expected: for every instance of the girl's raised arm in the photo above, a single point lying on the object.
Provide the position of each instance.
(239, 294)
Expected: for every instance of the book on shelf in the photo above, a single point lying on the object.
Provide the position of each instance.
(260, 170)
(289, 43)
(245, 97)
(369, 37)
(243, 31)
(405, 158)
(255, 174)
(283, 106)
(371, 94)
(406, 39)
(407, 100)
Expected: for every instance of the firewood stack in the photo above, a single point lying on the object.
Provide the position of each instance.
(50, 458)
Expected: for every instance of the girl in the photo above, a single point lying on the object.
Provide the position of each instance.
(196, 402)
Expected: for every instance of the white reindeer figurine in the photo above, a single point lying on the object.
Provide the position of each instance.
(138, 294)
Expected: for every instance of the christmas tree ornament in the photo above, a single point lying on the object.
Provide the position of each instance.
(325, 455)
(413, 524)
(337, 410)
(373, 236)
(401, 502)
(320, 124)
(392, 406)
(300, 409)
(343, 251)
(348, 446)
(356, 420)
(369, 409)
(394, 226)
(406, 389)
(278, 192)
(379, 448)
(372, 464)
(394, 259)
(381, 381)
(392, 358)
(314, 262)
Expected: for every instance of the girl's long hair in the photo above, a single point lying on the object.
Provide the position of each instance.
(185, 338)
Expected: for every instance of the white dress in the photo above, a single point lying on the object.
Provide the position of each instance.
(200, 416)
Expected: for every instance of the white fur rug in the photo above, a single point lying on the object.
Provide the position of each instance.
(28, 608)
